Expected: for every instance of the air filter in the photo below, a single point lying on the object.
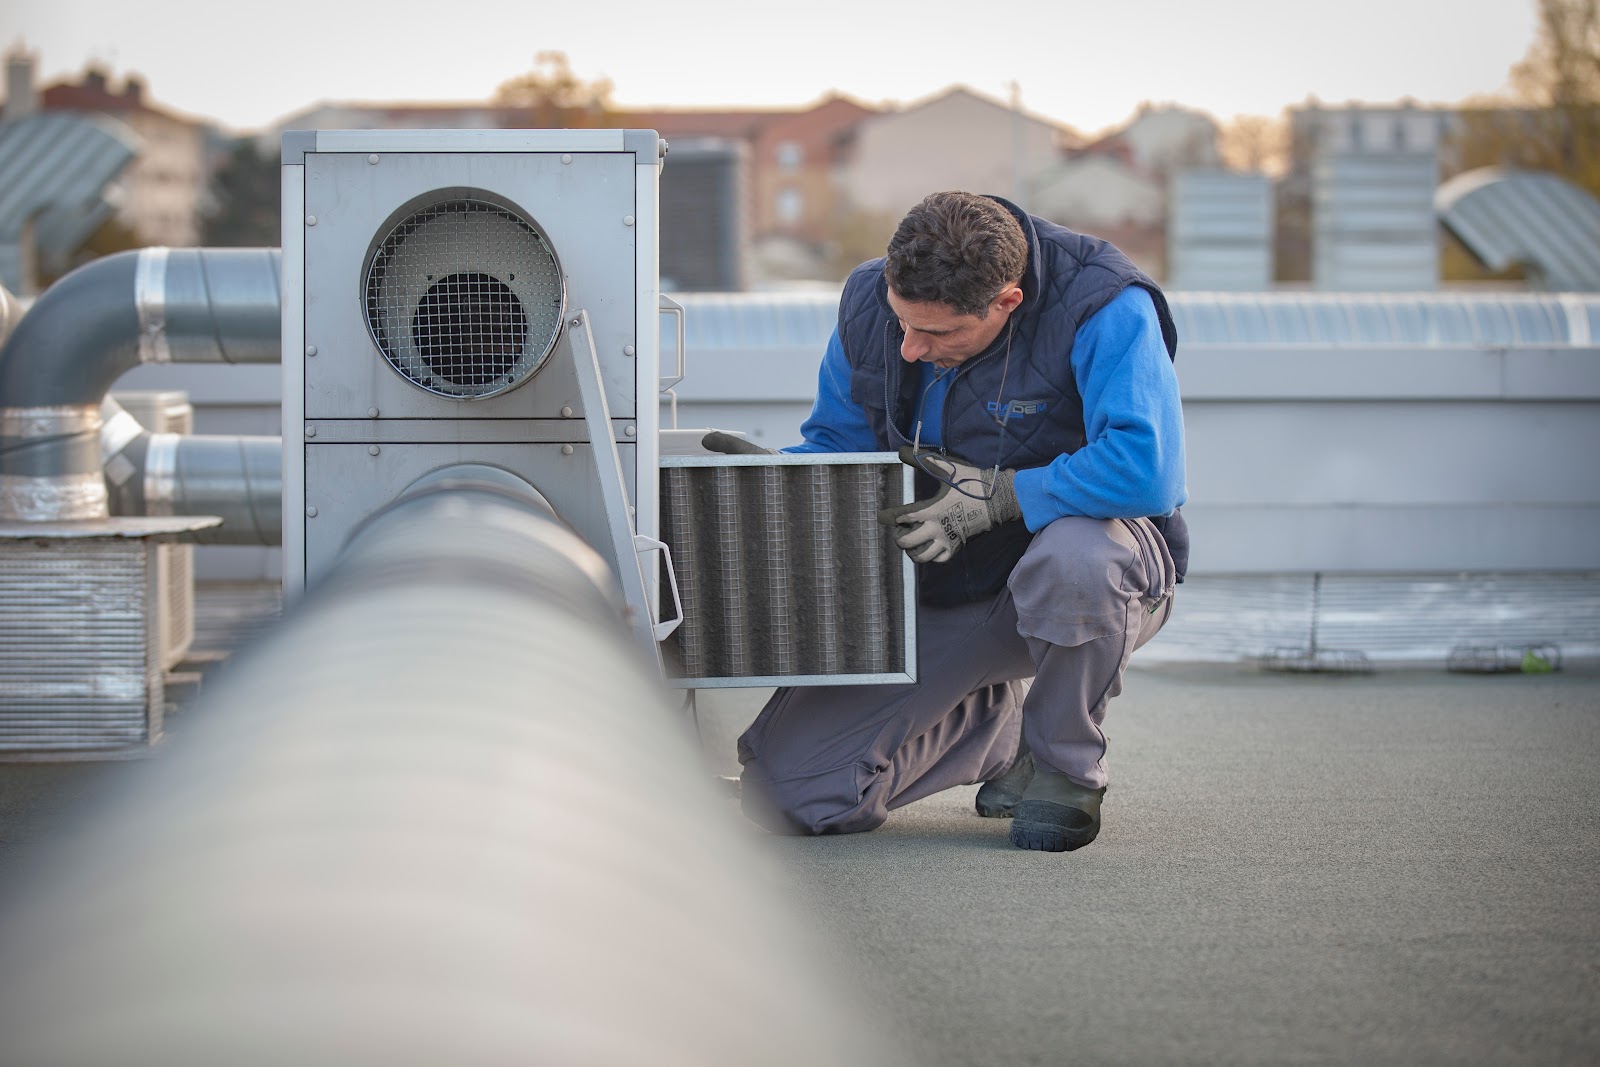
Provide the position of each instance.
(784, 574)
(464, 298)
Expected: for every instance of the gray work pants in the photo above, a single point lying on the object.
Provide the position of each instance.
(837, 759)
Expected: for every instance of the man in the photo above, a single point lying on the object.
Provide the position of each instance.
(1026, 372)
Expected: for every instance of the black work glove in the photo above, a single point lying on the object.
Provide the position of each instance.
(933, 530)
(729, 445)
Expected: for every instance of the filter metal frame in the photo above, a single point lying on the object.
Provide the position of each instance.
(901, 480)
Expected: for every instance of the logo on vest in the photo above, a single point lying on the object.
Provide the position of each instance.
(1017, 409)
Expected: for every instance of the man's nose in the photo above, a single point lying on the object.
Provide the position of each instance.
(913, 349)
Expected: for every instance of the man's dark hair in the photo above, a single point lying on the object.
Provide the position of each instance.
(958, 249)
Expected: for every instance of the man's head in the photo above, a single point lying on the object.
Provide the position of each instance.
(953, 270)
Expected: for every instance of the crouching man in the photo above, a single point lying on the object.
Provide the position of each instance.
(1025, 371)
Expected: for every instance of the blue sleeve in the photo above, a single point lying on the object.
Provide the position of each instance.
(1132, 463)
(836, 423)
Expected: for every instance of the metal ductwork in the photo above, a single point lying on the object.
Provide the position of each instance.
(440, 815)
(238, 479)
(156, 305)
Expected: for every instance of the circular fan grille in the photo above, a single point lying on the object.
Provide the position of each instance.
(464, 299)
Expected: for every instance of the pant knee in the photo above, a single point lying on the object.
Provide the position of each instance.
(847, 800)
(1075, 582)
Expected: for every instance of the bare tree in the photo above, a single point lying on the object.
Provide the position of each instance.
(1551, 120)
(552, 96)
(1562, 67)
(1255, 143)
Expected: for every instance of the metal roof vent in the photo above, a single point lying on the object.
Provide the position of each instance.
(464, 297)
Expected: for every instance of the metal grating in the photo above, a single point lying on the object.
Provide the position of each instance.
(77, 670)
(1417, 620)
(784, 572)
(465, 299)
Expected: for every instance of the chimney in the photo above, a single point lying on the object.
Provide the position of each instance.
(22, 96)
(133, 90)
(94, 79)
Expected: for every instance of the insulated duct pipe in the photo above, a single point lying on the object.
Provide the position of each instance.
(10, 313)
(439, 815)
(239, 479)
(155, 305)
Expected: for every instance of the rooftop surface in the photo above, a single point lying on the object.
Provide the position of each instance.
(1400, 867)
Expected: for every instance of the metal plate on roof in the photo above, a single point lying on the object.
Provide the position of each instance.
(1508, 217)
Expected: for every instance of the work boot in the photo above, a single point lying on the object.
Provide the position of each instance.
(997, 798)
(1056, 814)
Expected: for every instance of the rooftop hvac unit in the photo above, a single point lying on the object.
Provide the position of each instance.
(487, 301)
(482, 297)
(166, 412)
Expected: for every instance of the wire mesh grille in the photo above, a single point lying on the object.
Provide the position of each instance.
(465, 299)
(77, 671)
(784, 571)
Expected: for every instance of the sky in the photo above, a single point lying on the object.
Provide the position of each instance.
(1085, 64)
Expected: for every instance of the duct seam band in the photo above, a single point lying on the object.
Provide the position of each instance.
(55, 498)
(150, 298)
(161, 474)
(118, 432)
(55, 420)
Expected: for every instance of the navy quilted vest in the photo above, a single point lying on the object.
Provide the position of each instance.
(1069, 277)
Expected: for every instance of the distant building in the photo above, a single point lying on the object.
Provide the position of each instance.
(1162, 139)
(1329, 143)
(790, 159)
(794, 158)
(1116, 187)
(958, 139)
(164, 191)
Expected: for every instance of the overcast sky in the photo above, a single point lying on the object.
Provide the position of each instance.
(1087, 64)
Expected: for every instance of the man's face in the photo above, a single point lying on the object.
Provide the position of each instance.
(938, 334)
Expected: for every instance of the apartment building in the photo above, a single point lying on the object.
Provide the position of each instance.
(164, 191)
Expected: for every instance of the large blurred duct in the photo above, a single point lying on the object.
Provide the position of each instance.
(439, 816)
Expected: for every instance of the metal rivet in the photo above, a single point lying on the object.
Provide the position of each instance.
(627, 350)
(311, 350)
(632, 510)
(629, 430)
(372, 413)
(627, 220)
(565, 158)
(566, 413)
(311, 513)
(373, 450)
(311, 431)
(373, 159)
(566, 450)
(311, 220)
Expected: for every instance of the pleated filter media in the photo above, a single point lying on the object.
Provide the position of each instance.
(783, 572)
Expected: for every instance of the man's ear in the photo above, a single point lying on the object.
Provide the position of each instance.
(1009, 298)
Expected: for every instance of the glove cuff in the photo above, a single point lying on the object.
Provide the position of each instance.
(1003, 503)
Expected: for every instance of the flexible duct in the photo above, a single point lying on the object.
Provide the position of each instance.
(440, 815)
(239, 479)
(155, 305)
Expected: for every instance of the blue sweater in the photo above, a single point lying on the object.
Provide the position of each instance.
(1132, 464)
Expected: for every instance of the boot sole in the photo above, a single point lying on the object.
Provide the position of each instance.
(999, 810)
(1051, 836)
